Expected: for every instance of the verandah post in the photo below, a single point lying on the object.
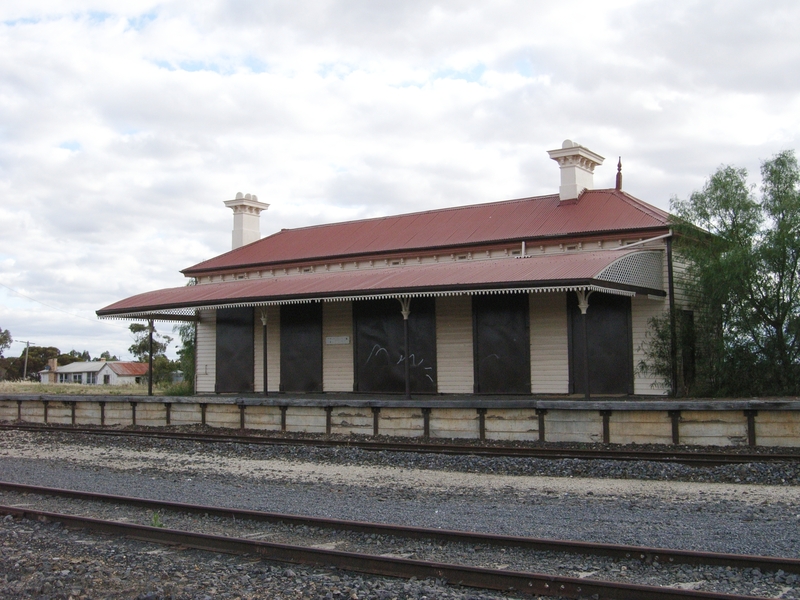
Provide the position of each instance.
(405, 309)
(583, 304)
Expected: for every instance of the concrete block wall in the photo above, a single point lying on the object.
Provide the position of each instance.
(348, 420)
(778, 428)
(264, 418)
(119, 413)
(59, 413)
(151, 414)
(87, 413)
(640, 427)
(573, 426)
(512, 424)
(713, 428)
(8, 410)
(454, 423)
(727, 427)
(403, 422)
(185, 414)
(306, 419)
(32, 412)
(222, 415)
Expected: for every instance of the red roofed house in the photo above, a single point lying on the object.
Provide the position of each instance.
(98, 372)
(499, 298)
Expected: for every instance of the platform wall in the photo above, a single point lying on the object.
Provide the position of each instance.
(726, 427)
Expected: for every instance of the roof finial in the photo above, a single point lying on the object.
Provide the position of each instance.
(619, 174)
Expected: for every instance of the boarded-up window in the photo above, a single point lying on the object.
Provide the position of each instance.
(234, 350)
(501, 340)
(301, 347)
(380, 346)
(609, 342)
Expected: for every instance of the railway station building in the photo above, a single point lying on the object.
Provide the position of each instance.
(545, 296)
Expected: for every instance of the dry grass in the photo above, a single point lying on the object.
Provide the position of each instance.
(74, 389)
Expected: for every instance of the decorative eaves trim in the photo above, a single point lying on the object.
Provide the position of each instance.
(640, 269)
(170, 313)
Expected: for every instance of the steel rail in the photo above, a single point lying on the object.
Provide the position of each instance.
(477, 577)
(617, 551)
(551, 453)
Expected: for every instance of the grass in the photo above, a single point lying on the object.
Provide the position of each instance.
(74, 389)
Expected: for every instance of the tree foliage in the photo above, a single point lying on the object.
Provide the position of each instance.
(162, 365)
(141, 342)
(743, 278)
(186, 354)
(37, 360)
(74, 356)
(5, 340)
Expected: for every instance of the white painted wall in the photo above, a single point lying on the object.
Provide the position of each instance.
(337, 359)
(549, 344)
(206, 351)
(642, 309)
(454, 345)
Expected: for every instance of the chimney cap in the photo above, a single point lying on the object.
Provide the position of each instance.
(587, 159)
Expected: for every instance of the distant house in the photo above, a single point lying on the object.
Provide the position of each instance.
(95, 373)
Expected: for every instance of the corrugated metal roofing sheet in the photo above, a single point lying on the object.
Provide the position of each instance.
(129, 369)
(540, 271)
(81, 367)
(529, 218)
(120, 368)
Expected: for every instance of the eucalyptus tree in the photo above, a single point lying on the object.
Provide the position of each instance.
(742, 251)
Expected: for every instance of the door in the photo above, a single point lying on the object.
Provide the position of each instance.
(380, 346)
(609, 342)
(235, 350)
(301, 347)
(501, 338)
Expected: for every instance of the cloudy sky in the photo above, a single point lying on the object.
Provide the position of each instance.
(124, 125)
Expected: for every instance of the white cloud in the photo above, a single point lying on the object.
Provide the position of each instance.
(123, 126)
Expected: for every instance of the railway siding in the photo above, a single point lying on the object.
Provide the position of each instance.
(648, 567)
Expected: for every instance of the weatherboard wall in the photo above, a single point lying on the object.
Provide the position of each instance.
(549, 343)
(455, 374)
(644, 308)
(337, 347)
(206, 351)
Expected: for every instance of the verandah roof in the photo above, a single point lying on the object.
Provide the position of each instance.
(611, 271)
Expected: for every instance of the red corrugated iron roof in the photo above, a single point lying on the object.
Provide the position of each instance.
(129, 369)
(596, 211)
(540, 271)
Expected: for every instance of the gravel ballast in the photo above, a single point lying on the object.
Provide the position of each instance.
(651, 504)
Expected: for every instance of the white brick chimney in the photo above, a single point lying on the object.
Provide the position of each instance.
(246, 219)
(577, 168)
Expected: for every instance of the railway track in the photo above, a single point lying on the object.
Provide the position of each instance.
(545, 452)
(522, 582)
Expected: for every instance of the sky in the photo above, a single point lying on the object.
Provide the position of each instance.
(125, 125)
